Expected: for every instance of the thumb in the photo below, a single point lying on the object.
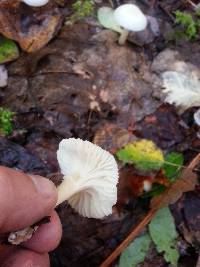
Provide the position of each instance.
(24, 199)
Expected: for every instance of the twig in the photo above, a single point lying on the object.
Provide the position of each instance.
(129, 238)
(194, 6)
(166, 12)
(198, 261)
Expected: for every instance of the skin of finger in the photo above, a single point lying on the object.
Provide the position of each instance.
(6, 251)
(26, 258)
(47, 237)
(24, 199)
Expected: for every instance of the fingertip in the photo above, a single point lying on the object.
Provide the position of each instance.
(24, 199)
(47, 237)
(24, 258)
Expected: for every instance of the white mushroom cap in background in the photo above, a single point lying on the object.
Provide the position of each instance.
(130, 17)
(94, 173)
(35, 3)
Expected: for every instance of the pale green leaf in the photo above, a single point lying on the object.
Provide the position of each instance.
(136, 252)
(144, 154)
(163, 233)
(106, 18)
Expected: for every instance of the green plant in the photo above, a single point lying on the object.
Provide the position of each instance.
(191, 24)
(6, 117)
(81, 9)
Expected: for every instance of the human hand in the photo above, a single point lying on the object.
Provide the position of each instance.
(24, 200)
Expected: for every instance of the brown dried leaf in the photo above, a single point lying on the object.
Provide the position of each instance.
(185, 183)
(112, 137)
(31, 27)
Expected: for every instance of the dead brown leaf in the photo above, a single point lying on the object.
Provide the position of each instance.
(186, 183)
(31, 27)
(112, 137)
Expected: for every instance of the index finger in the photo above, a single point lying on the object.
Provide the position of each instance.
(24, 199)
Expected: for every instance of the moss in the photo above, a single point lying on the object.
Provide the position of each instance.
(82, 9)
(190, 24)
(6, 125)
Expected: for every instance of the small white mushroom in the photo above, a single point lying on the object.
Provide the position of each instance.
(147, 185)
(131, 18)
(35, 3)
(90, 178)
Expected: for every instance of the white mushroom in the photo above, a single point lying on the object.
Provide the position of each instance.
(35, 3)
(89, 185)
(90, 178)
(131, 18)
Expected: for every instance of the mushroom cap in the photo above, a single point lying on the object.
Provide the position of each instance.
(35, 3)
(95, 173)
(130, 17)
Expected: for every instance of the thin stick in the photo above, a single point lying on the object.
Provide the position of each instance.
(192, 4)
(136, 230)
(198, 262)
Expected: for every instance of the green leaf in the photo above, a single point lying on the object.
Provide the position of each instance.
(155, 191)
(163, 233)
(136, 252)
(106, 18)
(144, 154)
(173, 172)
(8, 50)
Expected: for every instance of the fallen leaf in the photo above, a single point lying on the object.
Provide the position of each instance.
(163, 233)
(111, 137)
(136, 252)
(173, 172)
(182, 89)
(31, 27)
(106, 18)
(143, 154)
(153, 127)
(8, 50)
(185, 183)
(186, 213)
(154, 26)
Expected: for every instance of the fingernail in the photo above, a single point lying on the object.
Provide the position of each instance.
(44, 186)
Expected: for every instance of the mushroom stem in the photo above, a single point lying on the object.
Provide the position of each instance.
(65, 190)
(123, 37)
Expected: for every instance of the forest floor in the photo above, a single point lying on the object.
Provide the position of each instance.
(83, 84)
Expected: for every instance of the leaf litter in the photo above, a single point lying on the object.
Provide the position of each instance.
(83, 84)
